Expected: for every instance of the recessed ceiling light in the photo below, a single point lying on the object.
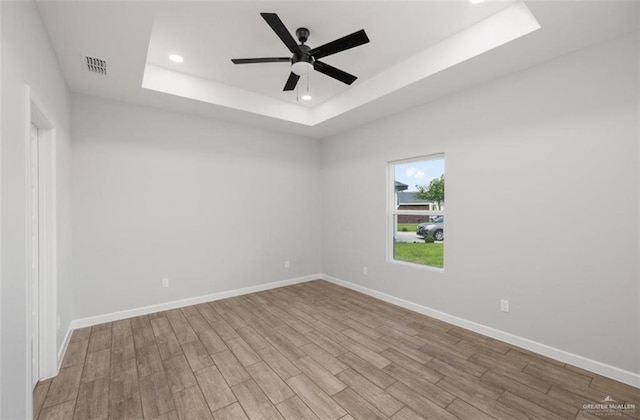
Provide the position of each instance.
(176, 58)
(306, 97)
(476, 1)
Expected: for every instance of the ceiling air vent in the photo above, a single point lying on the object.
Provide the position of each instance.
(95, 65)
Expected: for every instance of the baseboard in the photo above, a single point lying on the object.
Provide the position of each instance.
(603, 369)
(129, 313)
(63, 348)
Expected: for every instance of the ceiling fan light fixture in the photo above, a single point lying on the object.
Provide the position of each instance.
(301, 68)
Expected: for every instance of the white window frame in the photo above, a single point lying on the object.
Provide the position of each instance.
(393, 212)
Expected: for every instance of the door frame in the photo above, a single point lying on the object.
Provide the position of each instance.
(47, 314)
(34, 257)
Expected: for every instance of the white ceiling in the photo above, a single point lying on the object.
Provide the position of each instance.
(419, 50)
(209, 34)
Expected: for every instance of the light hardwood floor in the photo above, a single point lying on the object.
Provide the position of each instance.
(308, 351)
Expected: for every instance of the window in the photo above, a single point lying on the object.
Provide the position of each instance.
(417, 211)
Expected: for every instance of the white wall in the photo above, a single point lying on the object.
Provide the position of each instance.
(542, 203)
(210, 205)
(28, 58)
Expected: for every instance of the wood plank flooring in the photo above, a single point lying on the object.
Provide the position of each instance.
(310, 351)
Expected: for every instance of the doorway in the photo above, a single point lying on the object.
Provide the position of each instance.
(41, 268)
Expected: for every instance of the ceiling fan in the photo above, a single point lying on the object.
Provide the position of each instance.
(305, 58)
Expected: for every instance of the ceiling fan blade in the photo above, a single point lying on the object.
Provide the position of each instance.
(292, 81)
(261, 60)
(283, 33)
(331, 71)
(346, 42)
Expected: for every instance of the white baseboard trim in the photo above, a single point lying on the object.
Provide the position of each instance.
(129, 313)
(603, 369)
(63, 348)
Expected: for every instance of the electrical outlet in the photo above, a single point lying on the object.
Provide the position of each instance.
(287, 264)
(365, 271)
(504, 305)
(165, 282)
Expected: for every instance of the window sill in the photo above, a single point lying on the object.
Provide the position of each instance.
(418, 266)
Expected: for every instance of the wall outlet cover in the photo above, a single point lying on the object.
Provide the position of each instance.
(504, 305)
